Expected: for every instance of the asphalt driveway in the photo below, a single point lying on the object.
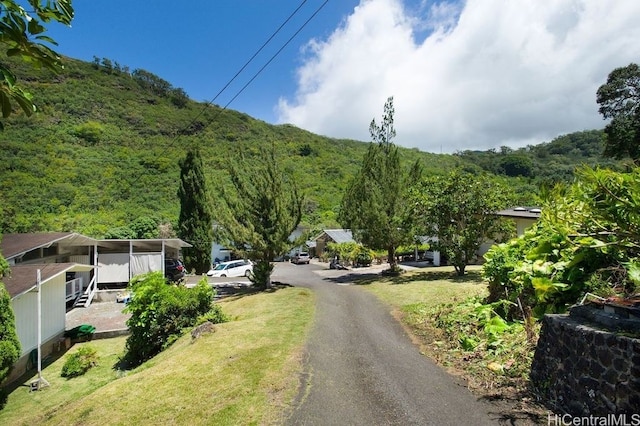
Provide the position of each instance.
(361, 367)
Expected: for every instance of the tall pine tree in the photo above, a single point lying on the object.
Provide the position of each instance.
(375, 205)
(195, 224)
(260, 214)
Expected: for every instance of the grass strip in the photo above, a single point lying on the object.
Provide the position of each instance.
(243, 373)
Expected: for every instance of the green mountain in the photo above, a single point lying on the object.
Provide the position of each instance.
(103, 151)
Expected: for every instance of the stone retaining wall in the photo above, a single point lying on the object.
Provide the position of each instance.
(582, 370)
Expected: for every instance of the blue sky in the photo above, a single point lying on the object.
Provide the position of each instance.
(199, 45)
(474, 74)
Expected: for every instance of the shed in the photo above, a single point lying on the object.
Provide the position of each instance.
(332, 236)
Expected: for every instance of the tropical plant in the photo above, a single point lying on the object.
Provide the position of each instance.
(586, 240)
(22, 33)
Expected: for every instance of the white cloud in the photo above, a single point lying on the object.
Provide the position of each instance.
(486, 73)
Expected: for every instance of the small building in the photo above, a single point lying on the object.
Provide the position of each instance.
(55, 247)
(327, 236)
(68, 268)
(23, 285)
(523, 217)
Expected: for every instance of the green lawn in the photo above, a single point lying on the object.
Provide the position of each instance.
(244, 373)
(429, 287)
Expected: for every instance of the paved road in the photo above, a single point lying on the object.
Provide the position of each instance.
(362, 369)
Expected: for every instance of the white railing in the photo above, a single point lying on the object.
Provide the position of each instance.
(73, 288)
(91, 291)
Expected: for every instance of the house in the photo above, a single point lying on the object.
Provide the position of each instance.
(48, 270)
(523, 217)
(66, 268)
(346, 236)
(332, 236)
(118, 260)
(55, 247)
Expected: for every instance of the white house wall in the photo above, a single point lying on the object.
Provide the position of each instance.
(25, 308)
(523, 224)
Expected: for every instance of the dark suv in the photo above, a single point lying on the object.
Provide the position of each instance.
(174, 269)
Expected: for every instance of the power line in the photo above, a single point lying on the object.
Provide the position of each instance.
(218, 112)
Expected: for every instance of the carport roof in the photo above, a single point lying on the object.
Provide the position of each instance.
(16, 245)
(145, 244)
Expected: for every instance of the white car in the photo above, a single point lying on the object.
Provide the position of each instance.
(302, 257)
(235, 268)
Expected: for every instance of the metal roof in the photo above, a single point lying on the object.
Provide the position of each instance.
(16, 245)
(24, 278)
(338, 235)
(521, 212)
(147, 244)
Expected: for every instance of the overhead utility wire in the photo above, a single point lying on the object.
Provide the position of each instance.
(244, 66)
(268, 62)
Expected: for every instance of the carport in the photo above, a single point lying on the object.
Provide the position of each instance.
(120, 260)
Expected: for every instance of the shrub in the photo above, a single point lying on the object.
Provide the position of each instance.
(261, 276)
(91, 131)
(160, 313)
(499, 350)
(79, 362)
(214, 316)
(9, 342)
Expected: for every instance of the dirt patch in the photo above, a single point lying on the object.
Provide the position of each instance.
(513, 404)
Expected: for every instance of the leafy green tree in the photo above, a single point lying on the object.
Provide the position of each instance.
(459, 209)
(22, 33)
(516, 165)
(195, 223)
(619, 100)
(151, 82)
(145, 227)
(260, 213)
(375, 206)
(179, 97)
(9, 342)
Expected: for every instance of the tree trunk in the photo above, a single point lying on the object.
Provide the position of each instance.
(460, 269)
(391, 257)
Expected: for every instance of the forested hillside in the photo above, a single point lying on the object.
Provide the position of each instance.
(103, 150)
(547, 162)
